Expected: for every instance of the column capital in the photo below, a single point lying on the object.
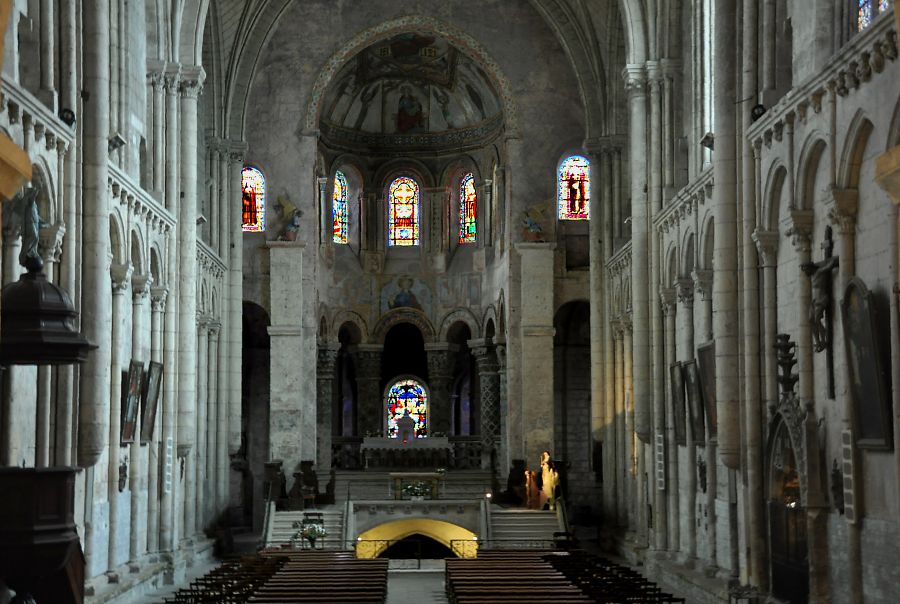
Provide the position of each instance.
(213, 326)
(767, 246)
(667, 298)
(171, 78)
(51, 242)
(635, 77)
(368, 360)
(158, 297)
(799, 226)
(501, 357)
(703, 280)
(485, 359)
(191, 84)
(121, 276)
(627, 323)
(843, 208)
(140, 286)
(440, 359)
(685, 291)
(326, 359)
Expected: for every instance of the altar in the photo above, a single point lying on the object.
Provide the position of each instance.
(381, 452)
(400, 479)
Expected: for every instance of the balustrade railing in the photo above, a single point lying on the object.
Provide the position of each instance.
(463, 453)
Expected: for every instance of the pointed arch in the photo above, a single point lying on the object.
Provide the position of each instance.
(854, 146)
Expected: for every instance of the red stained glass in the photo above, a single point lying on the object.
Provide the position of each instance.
(467, 208)
(253, 200)
(574, 189)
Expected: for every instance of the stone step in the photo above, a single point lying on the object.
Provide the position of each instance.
(283, 525)
(519, 528)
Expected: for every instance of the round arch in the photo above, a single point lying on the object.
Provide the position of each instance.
(343, 317)
(403, 315)
(459, 315)
(373, 542)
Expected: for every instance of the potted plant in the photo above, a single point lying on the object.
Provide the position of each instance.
(416, 490)
(309, 531)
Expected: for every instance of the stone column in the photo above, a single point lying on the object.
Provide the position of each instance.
(635, 85)
(726, 315)
(156, 79)
(685, 292)
(441, 358)
(767, 248)
(292, 415)
(325, 374)
(537, 332)
(489, 394)
(93, 408)
(503, 459)
(667, 300)
(235, 303)
(121, 281)
(51, 251)
(212, 421)
(702, 279)
(370, 419)
(158, 297)
(201, 478)
(140, 291)
(48, 54)
(169, 406)
(223, 387)
(66, 156)
(619, 449)
(631, 442)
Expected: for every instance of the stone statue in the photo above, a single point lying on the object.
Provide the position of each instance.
(532, 230)
(819, 274)
(549, 480)
(292, 229)
(25, 219)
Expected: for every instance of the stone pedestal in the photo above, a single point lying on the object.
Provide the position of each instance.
(537, 348)
(292, 415)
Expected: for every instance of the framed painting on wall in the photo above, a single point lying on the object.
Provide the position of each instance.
(694, 402)
(677, 383)
(131, 400)
(869, 381)
(706, 368)
(149, 400)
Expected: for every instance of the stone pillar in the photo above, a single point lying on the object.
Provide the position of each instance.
(65, 412)
(667, 300)
(212, 421)
(51, 251)
(201, 479)
(221, 464)
(156, 79)
(536, 313)
(325, 374)
(93, 408)
(235, 303)
(685, 292)
(610, 450)
(292, 415)
(169, 406)
(630, 441)
(16, 428)
(503, 459)
(140, 291)
(370, 419)
(489, 395)
(189, 89)
(121, 281)
(635, 85)
(725, 315)
(441, 358)
(619, 449)
(702, 279)
(158, 297)
(48, 53)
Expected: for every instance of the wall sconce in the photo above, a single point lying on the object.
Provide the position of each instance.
(116, 142)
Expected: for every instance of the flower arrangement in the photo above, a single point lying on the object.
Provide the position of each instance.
(309, 530)
(440, 471)
(417, 488)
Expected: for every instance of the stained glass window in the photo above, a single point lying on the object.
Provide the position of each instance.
(868, 10)
(253, 200)
(339, 213)
(574, 190)
(467, 206)
(403, 212)
(407, 396)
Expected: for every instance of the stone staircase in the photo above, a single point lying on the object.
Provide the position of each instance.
(280, 527)
(375, 485)
(522, 528)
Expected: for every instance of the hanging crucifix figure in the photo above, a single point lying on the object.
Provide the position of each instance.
(819, 274)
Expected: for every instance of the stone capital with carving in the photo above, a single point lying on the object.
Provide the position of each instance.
(326, 360)
(158, 297)
(368, 362)
(51, 242)
(767, 246)
(121, 276)
(140, 286)
(667, 299)
(703, 281)
(799, 228)
(843, 208)
(635, 77)
(191, 84)
(213, 326)
(685, 291)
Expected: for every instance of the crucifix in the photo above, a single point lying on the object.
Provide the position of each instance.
(819, 274)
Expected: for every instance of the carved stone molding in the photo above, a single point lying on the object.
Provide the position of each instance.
(767, 246)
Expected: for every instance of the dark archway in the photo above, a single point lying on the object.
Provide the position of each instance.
(417, 547)
(403, 353)
(787, 522)
(463, 400)
(572, 408)
(254, 413)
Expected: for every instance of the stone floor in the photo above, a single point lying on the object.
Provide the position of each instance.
(424, 585)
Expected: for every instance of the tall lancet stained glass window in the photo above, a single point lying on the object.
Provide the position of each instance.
(339, 210)
(868, 10)
(253, 200)
(574, 189)
(403, 212)
(407, 396)
(467, 206)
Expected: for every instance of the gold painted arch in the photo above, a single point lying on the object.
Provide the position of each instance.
(373, 542)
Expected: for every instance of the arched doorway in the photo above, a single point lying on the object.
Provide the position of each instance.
(787, 521)
(375, 541)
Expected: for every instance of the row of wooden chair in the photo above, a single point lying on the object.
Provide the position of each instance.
(499, 576)
(231, 583)
(608, 582)
(324, 576)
